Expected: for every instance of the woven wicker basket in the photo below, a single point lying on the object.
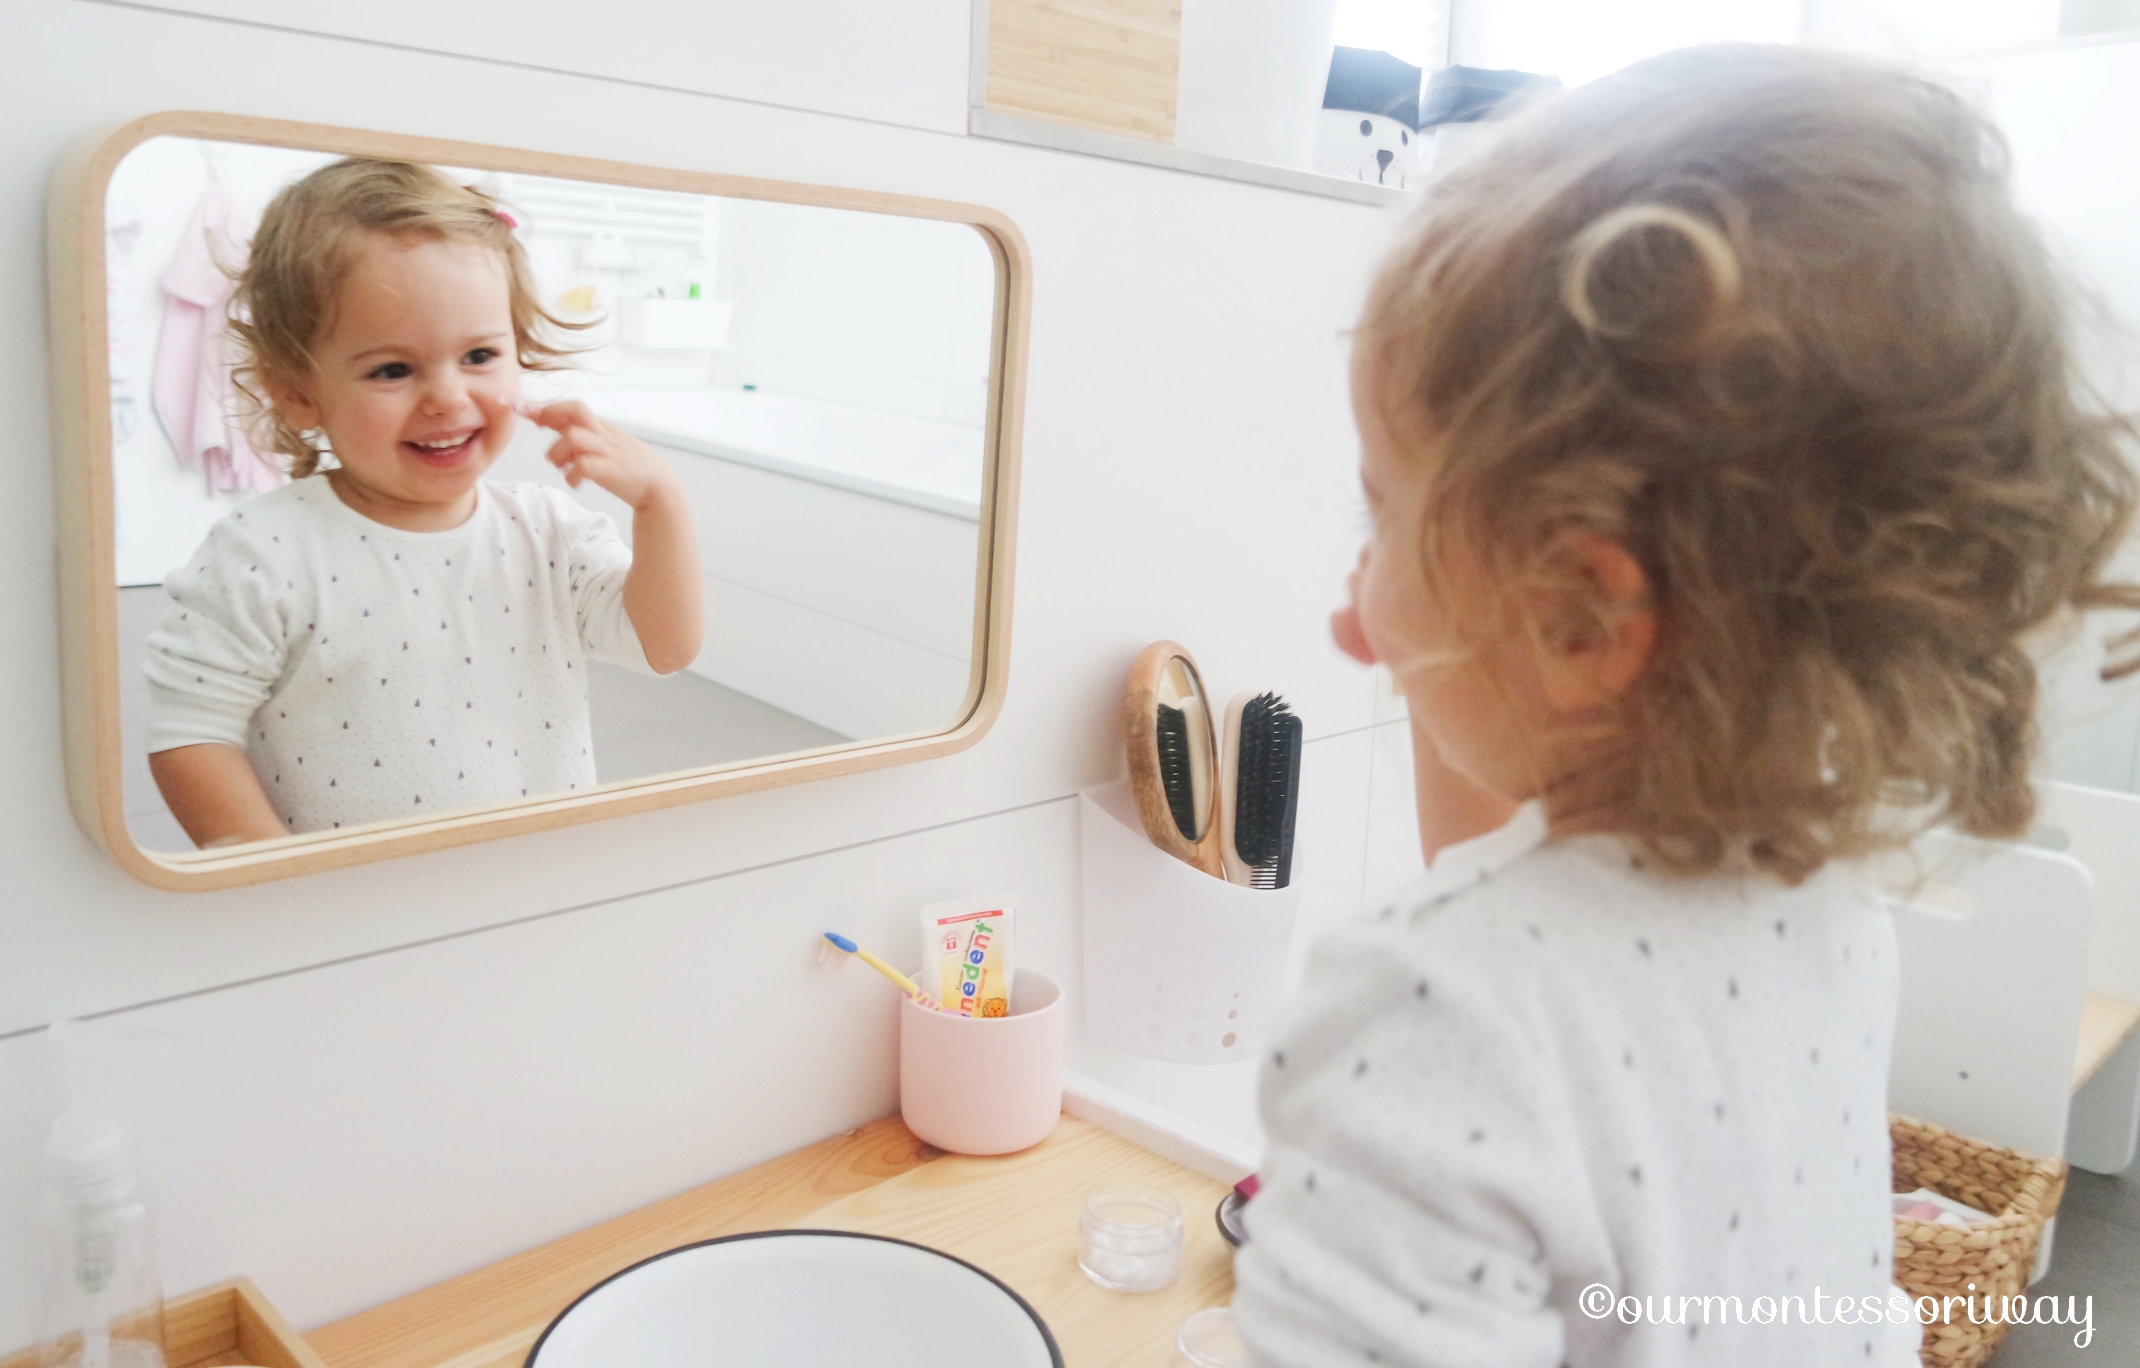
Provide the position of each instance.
(2019, 1190)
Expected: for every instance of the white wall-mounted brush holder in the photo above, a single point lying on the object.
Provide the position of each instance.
(1179, 965)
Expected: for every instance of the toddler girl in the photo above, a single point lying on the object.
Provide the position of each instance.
(1720, 440)
(391, 635)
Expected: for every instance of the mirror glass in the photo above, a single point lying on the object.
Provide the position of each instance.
(818, 379)
(1186, 742)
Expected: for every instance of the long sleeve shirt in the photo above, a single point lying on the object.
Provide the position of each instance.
(1548, 1079)
(370, 673)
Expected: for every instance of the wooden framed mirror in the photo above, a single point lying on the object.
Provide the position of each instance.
(833, 378)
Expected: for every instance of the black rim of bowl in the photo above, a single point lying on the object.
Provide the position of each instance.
(1047, 1336)
(1234, 1201)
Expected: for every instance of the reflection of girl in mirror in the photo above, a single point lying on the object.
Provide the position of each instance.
(390, 635)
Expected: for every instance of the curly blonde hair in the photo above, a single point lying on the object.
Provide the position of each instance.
(1770, 320)
(308, 240)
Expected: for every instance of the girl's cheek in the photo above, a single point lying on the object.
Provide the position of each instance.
(501, 402)
(1372, 599)
(366, 412)
(1395, 617)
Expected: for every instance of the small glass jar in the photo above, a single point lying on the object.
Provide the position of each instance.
(1129, 1239)
(1208, 1340)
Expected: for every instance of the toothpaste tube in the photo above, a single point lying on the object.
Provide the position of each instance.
(971, 945)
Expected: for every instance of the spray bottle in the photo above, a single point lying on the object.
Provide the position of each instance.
(103, 1300)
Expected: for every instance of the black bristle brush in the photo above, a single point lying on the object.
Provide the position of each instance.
(1175, 775)
(1259, 790)
(1173, 755)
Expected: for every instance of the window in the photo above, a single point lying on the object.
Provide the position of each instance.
(1578, 40)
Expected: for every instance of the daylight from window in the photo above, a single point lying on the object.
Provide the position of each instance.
(1579, 40)
(1416, 31)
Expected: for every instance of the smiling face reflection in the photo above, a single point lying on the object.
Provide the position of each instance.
(755, 462)
(263, 710)
(416, 402)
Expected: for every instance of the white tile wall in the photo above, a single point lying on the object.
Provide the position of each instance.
(898, 64)
(357, 1130)
(392, 1073)
(1392, 815)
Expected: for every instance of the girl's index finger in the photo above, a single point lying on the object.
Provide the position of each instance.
(560, 415)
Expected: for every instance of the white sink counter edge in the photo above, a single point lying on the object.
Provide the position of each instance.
(1187, 1143)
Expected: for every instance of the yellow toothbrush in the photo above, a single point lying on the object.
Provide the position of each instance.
(899, 980)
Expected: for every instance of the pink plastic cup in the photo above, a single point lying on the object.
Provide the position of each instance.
(984, 1085)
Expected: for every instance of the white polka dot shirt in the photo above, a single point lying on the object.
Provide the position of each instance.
(1547, 1067)
(370, 673)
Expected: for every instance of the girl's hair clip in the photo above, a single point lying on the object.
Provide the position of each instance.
(506, 218)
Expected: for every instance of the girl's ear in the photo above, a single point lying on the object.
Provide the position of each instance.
(1604, 631)
(292, 400)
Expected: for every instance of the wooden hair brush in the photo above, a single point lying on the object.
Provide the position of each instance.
(1173, 755)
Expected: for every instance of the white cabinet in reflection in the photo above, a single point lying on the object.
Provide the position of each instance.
(840, 547)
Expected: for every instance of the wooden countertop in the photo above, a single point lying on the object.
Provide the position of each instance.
(1015, 1216)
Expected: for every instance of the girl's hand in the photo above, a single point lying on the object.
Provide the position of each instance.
(664, 591)
(587, 448)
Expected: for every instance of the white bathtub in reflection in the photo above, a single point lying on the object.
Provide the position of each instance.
(840, 548)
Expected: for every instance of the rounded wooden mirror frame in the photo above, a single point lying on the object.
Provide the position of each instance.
(89, 631)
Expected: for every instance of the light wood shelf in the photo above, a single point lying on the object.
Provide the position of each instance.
(1015, 1216)
(216, 1327)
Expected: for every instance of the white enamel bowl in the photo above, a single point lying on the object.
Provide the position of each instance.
(798, 1299)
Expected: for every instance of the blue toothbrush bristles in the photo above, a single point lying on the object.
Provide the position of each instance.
(841, 941)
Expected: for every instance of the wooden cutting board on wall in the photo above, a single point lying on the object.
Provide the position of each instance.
(1110, 65)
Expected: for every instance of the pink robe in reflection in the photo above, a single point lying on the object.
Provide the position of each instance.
(192, 390)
